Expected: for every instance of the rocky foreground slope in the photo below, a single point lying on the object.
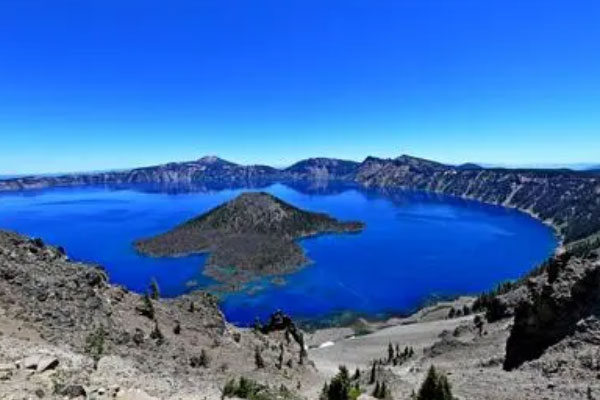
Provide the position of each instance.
(66, 332)
(252, 235)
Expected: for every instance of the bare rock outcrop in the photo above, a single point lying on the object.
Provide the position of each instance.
(559, 301)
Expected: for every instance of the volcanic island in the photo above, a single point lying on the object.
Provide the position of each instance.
(250, 236)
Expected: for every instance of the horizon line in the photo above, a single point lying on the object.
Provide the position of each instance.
(575, 166)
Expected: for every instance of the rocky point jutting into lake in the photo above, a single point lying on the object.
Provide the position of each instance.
(252, 235)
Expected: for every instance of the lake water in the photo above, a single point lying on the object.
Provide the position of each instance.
(415, 245)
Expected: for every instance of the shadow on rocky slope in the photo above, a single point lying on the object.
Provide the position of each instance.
(558, 303)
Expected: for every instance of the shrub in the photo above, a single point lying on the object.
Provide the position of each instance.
(585, 247)
(249, 389)
(478, 322)
(146, 308)
(203, 360)
(138, 336)
(229, 389)
(258, 358)
(94, 344)
(354, 392)
(496, 310)
(157, 335)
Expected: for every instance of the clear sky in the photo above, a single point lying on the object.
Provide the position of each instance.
(99, 84)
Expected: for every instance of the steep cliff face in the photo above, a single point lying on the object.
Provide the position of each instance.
(570, 201)
(563, 300)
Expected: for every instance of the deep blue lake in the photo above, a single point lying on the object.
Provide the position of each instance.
(415, 245)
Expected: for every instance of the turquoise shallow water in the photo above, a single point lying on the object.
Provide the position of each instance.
(415, 245)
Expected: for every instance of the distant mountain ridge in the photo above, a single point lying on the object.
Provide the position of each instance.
(208, 168)
(594, 169)
(213, 168)
(568, 200)
(323, 168)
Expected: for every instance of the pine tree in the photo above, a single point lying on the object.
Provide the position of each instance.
(390, 352)
(445, 390)
(324, 392)
(376, 390)
(383, 391)
(280, 358)
(373, 372)
(343, 373)
(340, 387)
(435, 387)
(154, 290)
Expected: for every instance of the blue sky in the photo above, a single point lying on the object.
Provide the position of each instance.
(89, 85)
